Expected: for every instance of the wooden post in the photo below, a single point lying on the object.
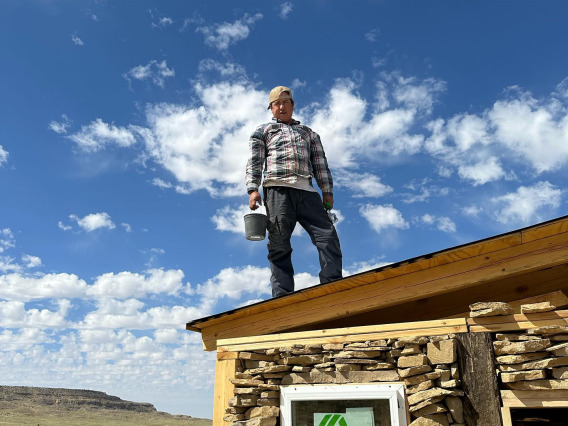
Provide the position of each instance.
(477, 367)
(225, 369)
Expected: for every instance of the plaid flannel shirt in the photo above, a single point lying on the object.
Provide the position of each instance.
(285, 151)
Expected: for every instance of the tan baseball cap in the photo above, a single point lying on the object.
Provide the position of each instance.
(279, 92)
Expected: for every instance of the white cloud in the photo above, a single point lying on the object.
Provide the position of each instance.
(23, 288)
(232, 220)
(363, 185)
(366, 265)
(165, 21)
(482, 172)
(348, 135)
(154, 71)
(64, 227)
(94, 221)
(7, 264)
(6, 239)
(517, 129)
(128, 314)
(14, 314)
(60, 127)
(23, 339)
(227, 70)
(3, 155)
(124, 285)
(372, 35)
(96, 135)
(194, 143)
(423, 190)
(525, 204)
(472, 211)
(383, 217)
(441, 223)
(221, 36)
(76, 40)
(233, 283)
(536, 131)
(127, 227)
(285, 9)
(31, 261)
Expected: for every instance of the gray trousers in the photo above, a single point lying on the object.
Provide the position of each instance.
(285, 207)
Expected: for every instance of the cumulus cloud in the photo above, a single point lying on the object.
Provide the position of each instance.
(234, 282)
(124, 285)
(3, 155)
(98, 134)
(221, 36)
(526, 203)
(229, 219)
(195, 142)
(31, 261)
(352, 128)
(153, 71)
(24, 288)
(285, 9)
(518, 129)
(13, 314)
(94, 221)
(228, 70)
(441, 223)
(7, 239)
(129, 314)
(363, 184)
(383, 217)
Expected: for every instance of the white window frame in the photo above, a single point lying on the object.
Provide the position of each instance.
(393, 392)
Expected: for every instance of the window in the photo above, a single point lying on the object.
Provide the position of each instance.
(343, 405)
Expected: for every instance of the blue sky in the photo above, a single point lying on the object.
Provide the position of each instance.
(123, 144)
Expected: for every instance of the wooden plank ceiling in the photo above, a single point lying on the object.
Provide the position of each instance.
(520, 264)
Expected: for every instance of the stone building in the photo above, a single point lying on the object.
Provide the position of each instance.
(474, 335)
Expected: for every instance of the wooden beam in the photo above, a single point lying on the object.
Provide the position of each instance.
(225, 369)
(517, 321)
(506, 415)
(556, 298)
(343, 339)
(459, 274)
(446, 305)
(477, 372)
(540, 398)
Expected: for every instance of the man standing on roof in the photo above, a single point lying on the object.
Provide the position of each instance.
(291, 154)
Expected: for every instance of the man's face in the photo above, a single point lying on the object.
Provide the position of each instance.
(282, 109)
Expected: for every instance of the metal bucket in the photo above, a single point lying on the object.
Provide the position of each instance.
(255, 226)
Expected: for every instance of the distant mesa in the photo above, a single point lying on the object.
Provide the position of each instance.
(71, 399)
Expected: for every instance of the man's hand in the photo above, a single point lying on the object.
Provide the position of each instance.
(328, 199)
(254, 198)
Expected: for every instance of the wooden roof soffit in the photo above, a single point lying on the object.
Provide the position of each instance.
(512, 254)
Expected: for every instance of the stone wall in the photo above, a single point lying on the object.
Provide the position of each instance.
(536, 359)
(426, 365)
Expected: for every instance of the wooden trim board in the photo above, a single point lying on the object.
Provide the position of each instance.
(539, 398)
(340, 335)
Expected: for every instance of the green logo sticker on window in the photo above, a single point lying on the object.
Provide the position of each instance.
(344, 419)
(332, 420)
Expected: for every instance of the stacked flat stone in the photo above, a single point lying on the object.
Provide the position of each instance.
(536, 359)
(427, 365)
